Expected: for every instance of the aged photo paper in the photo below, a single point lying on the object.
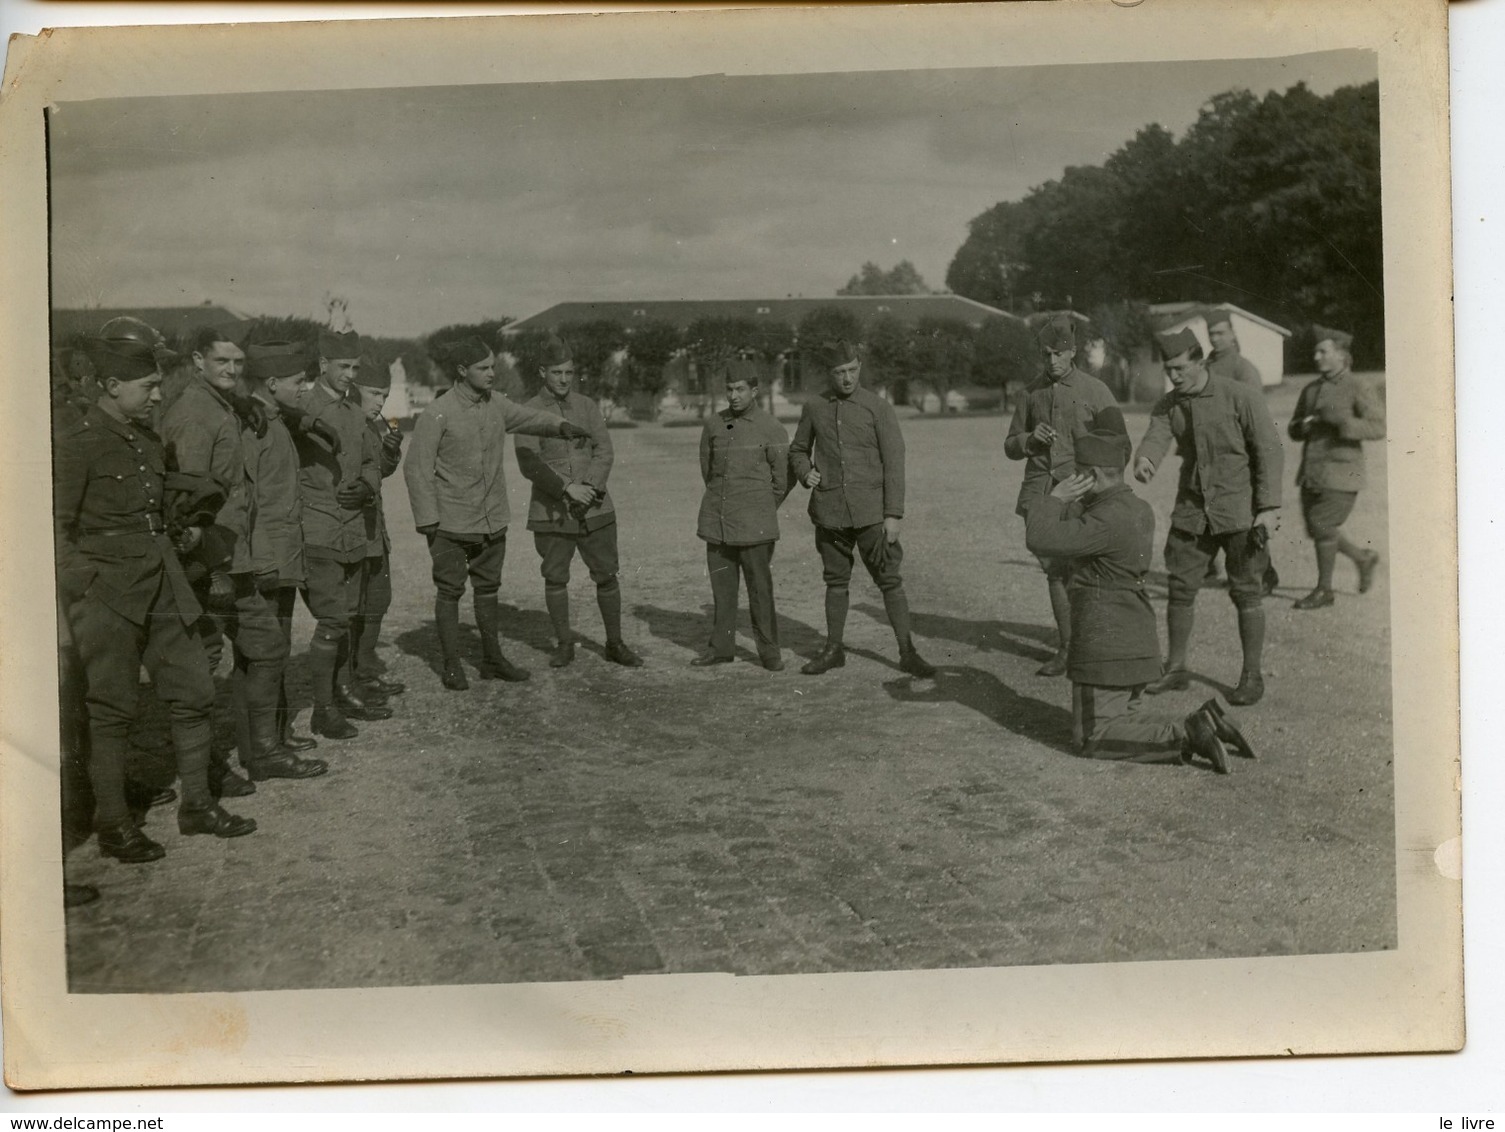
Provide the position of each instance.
(1366, 959)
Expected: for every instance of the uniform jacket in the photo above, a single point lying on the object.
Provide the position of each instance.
(454, 468)
(331, 530)
(272, 469)
(1231, 365)
(553, 463)
(1109, 539)
(1333, 457)
(855, 444)
(1231, 456)
(1070, 406)
(107, 502)
(387, 456)
(744, 464)
(205, 434)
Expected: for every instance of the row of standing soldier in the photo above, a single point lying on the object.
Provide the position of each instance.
(286, 480)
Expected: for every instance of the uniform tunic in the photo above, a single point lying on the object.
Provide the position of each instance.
(1231, 365)
(206, 436)
(1332, 458)
(744, 462)
(332, 531)
(455, 472)
(273, 471)
(552, 463)
(856, 445)
(1070, 406)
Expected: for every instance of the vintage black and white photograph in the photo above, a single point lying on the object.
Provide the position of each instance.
(887, 520)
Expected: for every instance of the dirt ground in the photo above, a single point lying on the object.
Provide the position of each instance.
(599, 821)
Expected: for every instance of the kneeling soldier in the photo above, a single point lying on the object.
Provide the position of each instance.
(744, 462)
(1114, 651)
(128, 600)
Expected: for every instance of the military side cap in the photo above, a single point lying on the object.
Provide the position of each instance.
(1058, 334)
(1339, 338)
(1110, 419)
(837, 352)
(339, 344)
(274, 359)
(1216, 316)
(373, 376)
(460, 352)
(556, 352)
(1173, 344)
(1102, 448)
(125, 359)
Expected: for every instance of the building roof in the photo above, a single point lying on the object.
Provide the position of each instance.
(1192, 308)
(169, 321)
(682, 312)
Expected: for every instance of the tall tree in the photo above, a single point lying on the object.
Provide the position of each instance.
(650, 345)
(902, 279)
(941, 354)
(595, 343)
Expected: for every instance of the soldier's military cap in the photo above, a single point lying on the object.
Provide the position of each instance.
(125, 359)
(460, 352)
(373, 376)
(1172, 344)
(1339, 338)
(1102, 448)
(837, 352)
(556, 351)
(274, 359)
(339, 344)
(1217, 316)
(1058, 334)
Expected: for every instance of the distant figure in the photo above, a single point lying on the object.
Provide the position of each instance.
(1056, 408)
(1334, 416)
(744, 464)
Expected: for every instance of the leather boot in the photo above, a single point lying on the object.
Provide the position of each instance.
(1226, 730)
(563, 655)
(213, 820)
(494, 665)
(285, 735)
(1055, 666)
(618, 653)
(1250, 690)
(328, 722)
(1319, 598)
(1202, 739)
(269, 759)
(352, 706)
(1175, 680)
(225, 783)
(832, 656)
(127, 843)
(912, 662)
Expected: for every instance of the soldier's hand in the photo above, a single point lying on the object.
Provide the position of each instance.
(571, 431)
(221, 588)
(1073, 487)
(580, 493)
(429, 530)
(812, 479)
(354, 494)
(1144, 471)
(267, 583)
(891, 529)
(187, 539)
(1269, 519)
(1043, 435)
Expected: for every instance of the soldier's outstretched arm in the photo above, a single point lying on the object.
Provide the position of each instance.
(532, 422)
(534, 469)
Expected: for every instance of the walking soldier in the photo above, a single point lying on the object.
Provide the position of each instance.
(457, 485)
(128, 600)
(744, 463)
(1334, 416)
(570, 508)
(1228, 497)
(849, 451)
(1056, 408)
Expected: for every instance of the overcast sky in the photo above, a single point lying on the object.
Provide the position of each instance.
(425, 206)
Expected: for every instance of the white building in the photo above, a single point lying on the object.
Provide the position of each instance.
(1259, 339)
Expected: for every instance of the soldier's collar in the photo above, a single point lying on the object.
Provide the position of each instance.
(471, 393)
(220, 399)
(126, 429)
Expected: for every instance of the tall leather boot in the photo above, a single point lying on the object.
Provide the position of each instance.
(1179, 620)
(494, 666)
(833, 655)
(198, 811)
(268, 758)
(328, 721)
(557, 600)
(1251, 681)
(1060, 611)
(365, 667)
(447, 623)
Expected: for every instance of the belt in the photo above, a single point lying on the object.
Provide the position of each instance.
(149, 524)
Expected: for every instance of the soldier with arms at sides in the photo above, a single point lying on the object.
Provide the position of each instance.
(457, 484)
(1096, 522)
(570, 509)
(849, 452)
(1228, 498)
(1056, 408)
(128, 601)
(1334, 416)
(744, 464)
(337, 482)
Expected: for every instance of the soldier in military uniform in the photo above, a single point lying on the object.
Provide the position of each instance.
(570, 509)
(337, 484)
(1334, 416)
(373, 384)
(457, 485)
(744, 464)
(1095, 521)
(849, 452)
(1056, 408)
(128, 601)
(1228, 498)
(274, 372)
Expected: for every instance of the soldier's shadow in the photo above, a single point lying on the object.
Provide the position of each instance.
(1017, 638)
(1043, 723)
(692, 632)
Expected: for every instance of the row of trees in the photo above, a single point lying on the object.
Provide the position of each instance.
(1271, 203)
